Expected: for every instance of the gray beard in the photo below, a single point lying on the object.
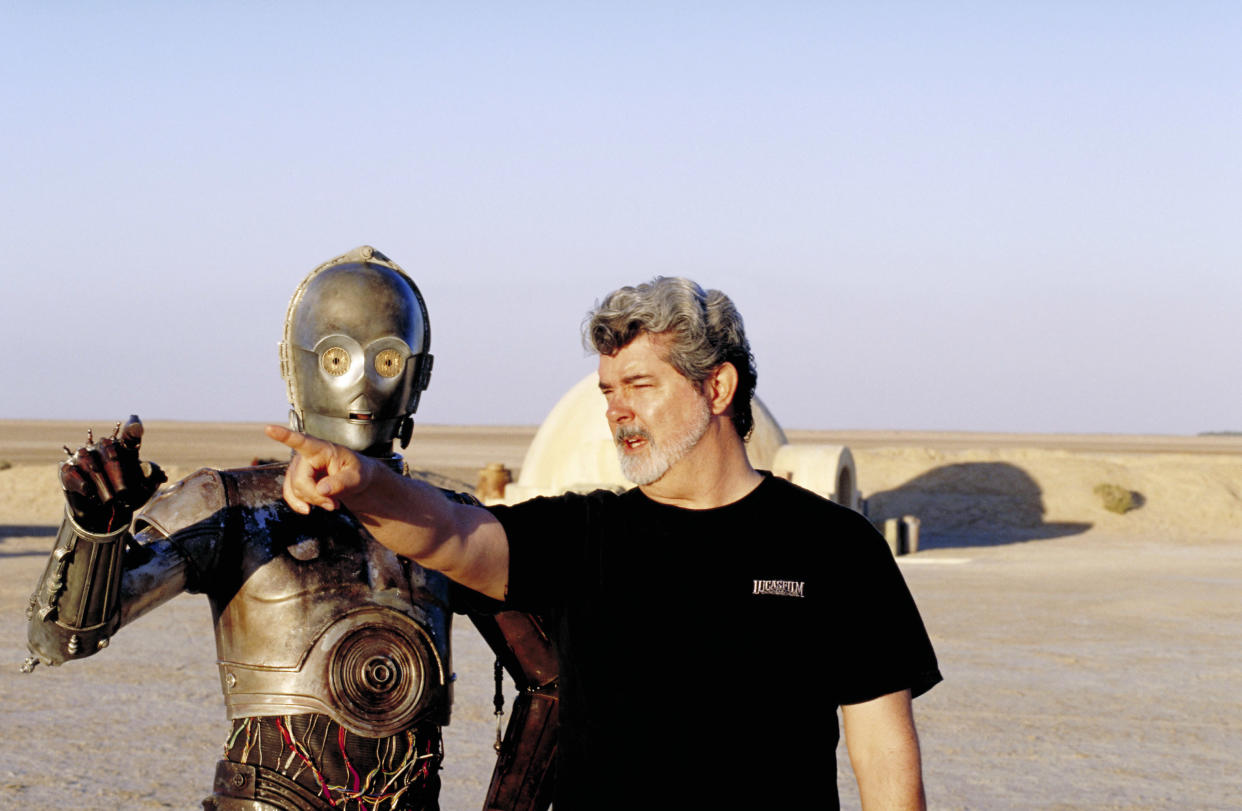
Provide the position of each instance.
(655, 460)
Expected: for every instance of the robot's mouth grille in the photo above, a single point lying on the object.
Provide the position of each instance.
(360, 416)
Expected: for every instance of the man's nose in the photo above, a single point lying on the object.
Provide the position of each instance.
(618, 410)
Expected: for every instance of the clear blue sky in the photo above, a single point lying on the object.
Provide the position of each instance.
(932, 216)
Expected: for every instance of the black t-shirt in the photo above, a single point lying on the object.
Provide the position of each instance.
(704, 653)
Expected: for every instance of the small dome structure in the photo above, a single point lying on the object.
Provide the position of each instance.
(826, 469)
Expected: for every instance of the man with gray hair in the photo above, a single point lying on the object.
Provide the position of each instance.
(710, 621)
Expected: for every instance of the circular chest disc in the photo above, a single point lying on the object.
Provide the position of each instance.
(380, 675)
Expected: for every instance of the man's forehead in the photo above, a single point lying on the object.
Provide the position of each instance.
(646, 354)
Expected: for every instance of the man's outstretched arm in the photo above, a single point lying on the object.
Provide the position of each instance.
(884, 751)
(409, 517)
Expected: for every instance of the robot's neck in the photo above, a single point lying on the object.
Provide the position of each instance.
(392, 460)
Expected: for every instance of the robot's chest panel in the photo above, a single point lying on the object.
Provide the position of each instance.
(297, 575)
(286, 555)
(313, 615)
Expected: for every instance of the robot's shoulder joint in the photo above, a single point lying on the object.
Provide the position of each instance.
(197, 500)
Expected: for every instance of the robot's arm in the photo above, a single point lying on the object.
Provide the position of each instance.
(522, 779)
(92, 581)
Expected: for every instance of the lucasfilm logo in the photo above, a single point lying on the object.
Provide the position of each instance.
(780, 588)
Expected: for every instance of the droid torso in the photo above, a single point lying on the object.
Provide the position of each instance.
(312, 615)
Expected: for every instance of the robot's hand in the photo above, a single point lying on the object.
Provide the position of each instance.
(105, 481)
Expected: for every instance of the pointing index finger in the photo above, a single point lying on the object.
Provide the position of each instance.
(285, 436)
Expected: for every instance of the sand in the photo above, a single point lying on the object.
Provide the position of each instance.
(1091, 660)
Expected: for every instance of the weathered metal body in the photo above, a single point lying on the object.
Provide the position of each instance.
(333, 652)
(312, 618)
(311, 614)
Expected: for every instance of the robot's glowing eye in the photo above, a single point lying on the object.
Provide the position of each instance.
(389, 363)
(335, 361)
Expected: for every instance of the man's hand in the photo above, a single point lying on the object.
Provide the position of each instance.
(409, 517)
(321, 474)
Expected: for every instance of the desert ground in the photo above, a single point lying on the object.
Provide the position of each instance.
(1091, 659)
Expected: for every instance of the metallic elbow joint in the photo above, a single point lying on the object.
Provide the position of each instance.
(75, 608)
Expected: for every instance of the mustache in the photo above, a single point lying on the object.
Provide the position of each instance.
(629, 431)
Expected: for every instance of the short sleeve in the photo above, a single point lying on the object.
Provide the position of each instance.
(547, 544)
(883, 646)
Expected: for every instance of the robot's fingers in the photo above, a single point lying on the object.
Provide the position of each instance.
(152, 474)
(119, 467)
(91, 467)
(152, 478)
(131, 432)
(72, 480)
(80, 493)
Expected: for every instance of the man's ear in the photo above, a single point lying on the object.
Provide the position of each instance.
(720, 387)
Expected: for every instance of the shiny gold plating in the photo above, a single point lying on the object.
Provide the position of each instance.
(335, 361)
(389, 363)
